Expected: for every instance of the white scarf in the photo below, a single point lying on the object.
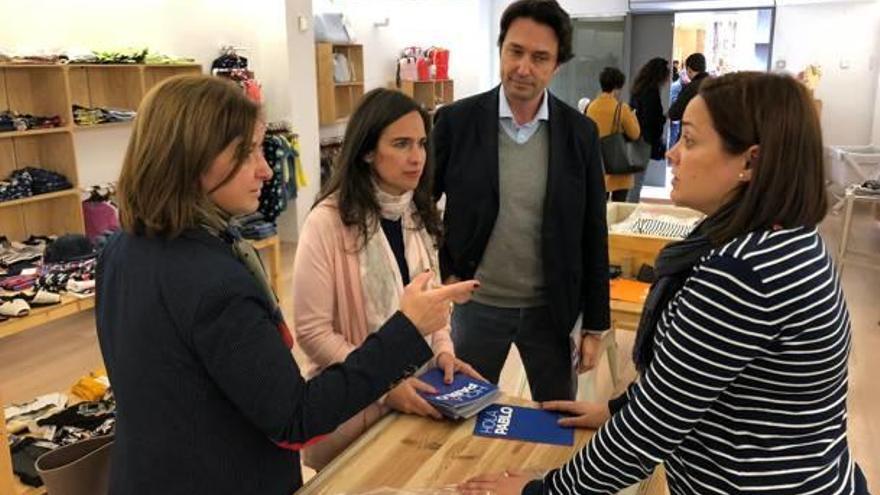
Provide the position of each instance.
(380, 274)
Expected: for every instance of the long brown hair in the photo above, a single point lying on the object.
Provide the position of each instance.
(787, 186)
(352, 181)
(652, 75)
(182, 125)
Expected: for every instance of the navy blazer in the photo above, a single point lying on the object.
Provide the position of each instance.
(205, 387)
(574, 231)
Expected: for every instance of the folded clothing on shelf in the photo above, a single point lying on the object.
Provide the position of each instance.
(11, 121)
(648, 222)
(29, 181)
(86, 116)
(126, 56)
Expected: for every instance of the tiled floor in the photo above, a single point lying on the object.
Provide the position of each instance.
(50, 358)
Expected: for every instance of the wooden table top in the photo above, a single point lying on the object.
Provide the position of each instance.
(405, 451)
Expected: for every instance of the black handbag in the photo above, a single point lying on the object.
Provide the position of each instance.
(620, 156)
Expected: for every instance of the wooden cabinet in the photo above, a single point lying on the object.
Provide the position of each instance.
(337, 100)
(39, 90)
(48, 90)
(430, 94)
(120, 86)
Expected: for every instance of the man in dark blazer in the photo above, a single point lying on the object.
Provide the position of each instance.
(525, 212)
(695, 65)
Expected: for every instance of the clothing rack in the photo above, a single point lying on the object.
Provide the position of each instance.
(281, 127)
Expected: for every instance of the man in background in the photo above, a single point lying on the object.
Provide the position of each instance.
(525, 212)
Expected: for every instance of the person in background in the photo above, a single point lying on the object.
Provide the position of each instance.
(695, 66)
(675, 69)
(602, 111)
(373, 228)
(522, 177)
(209, 399)
(645, 100)
(743, 344)
(680, 80)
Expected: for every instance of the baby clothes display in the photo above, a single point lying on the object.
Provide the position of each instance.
(647, 221)
(280, 150)
(12, 121)
(85, 116)
(30, 181)
(52, 421)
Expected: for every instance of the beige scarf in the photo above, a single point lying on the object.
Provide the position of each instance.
(380, 274)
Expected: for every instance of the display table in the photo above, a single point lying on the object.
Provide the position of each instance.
(405, 451)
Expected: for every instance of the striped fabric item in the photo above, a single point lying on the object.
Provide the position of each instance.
(747, 389)
(663, 228)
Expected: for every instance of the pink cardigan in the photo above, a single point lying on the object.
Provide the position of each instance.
(329, 312)
(330, 318)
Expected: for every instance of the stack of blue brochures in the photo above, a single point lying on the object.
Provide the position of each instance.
(462, 398)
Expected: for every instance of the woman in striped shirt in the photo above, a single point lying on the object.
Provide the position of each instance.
(742, 348)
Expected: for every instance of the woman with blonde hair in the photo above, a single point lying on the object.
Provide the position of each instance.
(209, 398)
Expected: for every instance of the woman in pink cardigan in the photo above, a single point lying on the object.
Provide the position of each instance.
(373, 227)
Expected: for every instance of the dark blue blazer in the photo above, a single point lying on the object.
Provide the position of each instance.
(206, 389)
(574, 231)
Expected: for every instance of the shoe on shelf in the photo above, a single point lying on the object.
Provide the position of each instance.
(16, 308)
(41, 297)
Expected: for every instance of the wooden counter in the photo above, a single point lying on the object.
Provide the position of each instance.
(405, 451)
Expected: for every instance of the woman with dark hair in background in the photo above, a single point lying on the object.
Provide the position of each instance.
(373, 227)
(743, 344)
(645, 100)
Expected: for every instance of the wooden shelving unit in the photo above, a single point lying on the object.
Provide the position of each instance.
(337, 100)
(52, 90)
(118, 85)
(430, 94)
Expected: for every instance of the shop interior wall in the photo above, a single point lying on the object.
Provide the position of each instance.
(195, 28)
(575, 8)
(462, 26)
(828, 32)
(844, 38)
(876, 135)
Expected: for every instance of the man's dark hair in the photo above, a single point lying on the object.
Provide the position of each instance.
(696, 62)
(546, 12)
(610, 79)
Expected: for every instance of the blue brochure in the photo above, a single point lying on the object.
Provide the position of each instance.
(462, 398)
(523, 423)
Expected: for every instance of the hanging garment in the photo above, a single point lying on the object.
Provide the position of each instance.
(282, 187)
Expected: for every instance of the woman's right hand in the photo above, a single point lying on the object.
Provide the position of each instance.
(405, 398)
(428, 309)
(590, 415)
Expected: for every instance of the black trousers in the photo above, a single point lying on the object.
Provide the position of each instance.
(483, 335)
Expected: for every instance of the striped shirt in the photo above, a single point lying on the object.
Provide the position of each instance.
(747, 389)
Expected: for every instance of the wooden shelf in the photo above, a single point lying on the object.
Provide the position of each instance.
(126, 123)
(40, 316)
(124, 66)
(39, 197)
(35, 132)
(337, 100)
(431, 93)
(31, 66)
